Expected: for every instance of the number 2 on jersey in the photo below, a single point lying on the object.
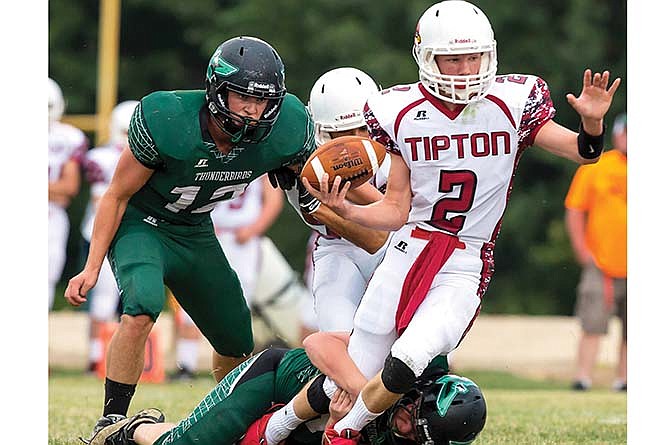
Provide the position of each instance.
(449, 180)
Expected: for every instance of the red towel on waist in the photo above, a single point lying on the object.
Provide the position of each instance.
(420, 276)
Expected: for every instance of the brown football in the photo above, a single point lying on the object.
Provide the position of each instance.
(354, 158)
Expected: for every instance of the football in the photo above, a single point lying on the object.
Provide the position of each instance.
(354, 158)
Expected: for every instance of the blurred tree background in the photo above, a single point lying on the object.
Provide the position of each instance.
(167, 44)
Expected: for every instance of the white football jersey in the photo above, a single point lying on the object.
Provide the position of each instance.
(241, 211)
(65, 143)
(99, 165)
(461, 162)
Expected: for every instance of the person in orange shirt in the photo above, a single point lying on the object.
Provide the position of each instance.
(595, 217)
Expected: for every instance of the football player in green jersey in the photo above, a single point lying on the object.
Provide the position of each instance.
(440, 408)
(187, 151)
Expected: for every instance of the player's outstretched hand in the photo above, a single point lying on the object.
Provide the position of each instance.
(78, 287)
(595, 98)
(333, 197)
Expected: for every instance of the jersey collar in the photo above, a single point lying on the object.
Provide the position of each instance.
(437, 103)
(209, 141)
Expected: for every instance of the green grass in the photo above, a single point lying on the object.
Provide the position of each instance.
(520, 411)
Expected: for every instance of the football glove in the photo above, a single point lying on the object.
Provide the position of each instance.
(308, 203)
(282, 177)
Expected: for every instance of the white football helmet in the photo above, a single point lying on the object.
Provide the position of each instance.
(455, 27)
(56, 101)
(337, 99)
(120, 120)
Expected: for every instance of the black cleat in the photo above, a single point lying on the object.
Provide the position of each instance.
(121, 432)
(619, 386)
(103, 422)
(182, 375)
(580, 385)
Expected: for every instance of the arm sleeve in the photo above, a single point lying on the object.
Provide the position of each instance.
(539, 110)
(141, 142)
(377, 132)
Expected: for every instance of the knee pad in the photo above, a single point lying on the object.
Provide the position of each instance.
(397, 377)
(317, 397)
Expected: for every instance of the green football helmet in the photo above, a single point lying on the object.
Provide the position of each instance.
(248, 66)
(446, 409)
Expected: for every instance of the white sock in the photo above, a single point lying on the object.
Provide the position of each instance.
(94, 350)
(357, 418)
(281, 424)
(187, 353)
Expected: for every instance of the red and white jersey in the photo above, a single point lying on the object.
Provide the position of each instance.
(241, 211)
(461, 162)
(65, 143)
(99, 164)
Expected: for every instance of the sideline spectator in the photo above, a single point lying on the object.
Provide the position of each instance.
(595, 218)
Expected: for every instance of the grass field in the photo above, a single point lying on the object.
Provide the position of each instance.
(520, 411)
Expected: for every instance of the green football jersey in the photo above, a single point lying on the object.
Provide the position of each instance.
(168, 134)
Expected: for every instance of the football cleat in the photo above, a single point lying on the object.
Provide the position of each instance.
(121, 432)
(255, 434)
(346, 437)
(103, 422)
(581, 385)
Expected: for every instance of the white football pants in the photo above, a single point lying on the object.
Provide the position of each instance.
(439, 323)
(341, 274)
(245, 259)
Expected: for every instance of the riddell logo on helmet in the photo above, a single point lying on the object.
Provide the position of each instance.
(468, 40)
(347, 116)
(261, 86)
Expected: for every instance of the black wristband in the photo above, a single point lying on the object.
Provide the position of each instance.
(590, 147)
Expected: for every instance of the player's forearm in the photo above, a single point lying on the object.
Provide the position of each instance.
(364, 194)
(367, 239)
(381, 215)
(59, 198)
(64, 187)
(107, 219)
(329, 353)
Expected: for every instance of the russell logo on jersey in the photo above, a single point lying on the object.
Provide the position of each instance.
(401, 246)
(420, 115)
